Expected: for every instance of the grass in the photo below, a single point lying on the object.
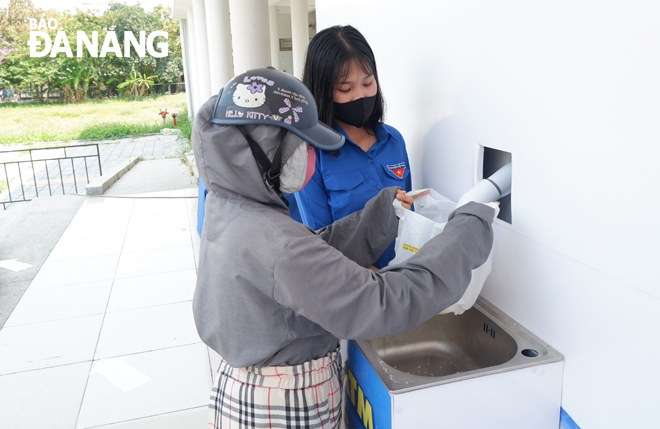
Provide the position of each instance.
(185, 125)
(93, 120)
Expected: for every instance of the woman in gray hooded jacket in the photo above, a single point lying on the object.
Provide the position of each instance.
(274, 296)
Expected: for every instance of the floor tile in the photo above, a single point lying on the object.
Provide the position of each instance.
(158, 206)
(46, 398)
(156, 289)
(195, 235)
(155, 261)
(90, 224)
(147, 329)
(196, 418)
(192, 192)
(146, 384)
(175, 193)
(61, 302)
(48, 344)
(196, 254)
(87, 247)
(107, 206)
(214, 361)
(158, 221)
(192, 219)
(150, 240)
(192, 203)
(75, 271)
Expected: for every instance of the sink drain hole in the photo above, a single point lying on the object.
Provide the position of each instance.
(530, 353)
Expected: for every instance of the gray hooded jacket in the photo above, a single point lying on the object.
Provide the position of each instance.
(271, 291)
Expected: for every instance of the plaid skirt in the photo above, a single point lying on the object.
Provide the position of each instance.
(289, 397)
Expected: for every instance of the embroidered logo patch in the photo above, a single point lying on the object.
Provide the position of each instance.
(398, 169)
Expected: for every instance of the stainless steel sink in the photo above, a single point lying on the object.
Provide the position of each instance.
(449, 348)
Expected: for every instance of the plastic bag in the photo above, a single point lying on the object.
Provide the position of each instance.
(428, 220)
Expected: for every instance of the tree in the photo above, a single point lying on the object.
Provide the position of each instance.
(138, 83)
(170, 68)
(75, 75)
(79, 72)
(132, 18)
(14, 26)
(17, 68)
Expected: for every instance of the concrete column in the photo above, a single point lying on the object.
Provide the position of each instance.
(202, 50)
(299, 35)
(221, 63)
(250, 34)
(274, 38)
(187, 72)
(192, 77)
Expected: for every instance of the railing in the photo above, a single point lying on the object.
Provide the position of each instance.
(97, 92)
(30, 172)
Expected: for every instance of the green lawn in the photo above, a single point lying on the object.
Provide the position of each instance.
(94, 119)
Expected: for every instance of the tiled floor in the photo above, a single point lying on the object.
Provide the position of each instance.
(104, 336)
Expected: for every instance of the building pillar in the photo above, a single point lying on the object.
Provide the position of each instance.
(187, 72)
(250, 34)
(299, 35)
(274, 37)
(192, 77)
(202, 51)
(221, 63)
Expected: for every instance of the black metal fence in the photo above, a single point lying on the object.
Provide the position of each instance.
(96, 92)
(30, 173)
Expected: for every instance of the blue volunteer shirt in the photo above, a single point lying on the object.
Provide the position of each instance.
(343, 184)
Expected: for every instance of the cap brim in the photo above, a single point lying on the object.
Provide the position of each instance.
(322, 136)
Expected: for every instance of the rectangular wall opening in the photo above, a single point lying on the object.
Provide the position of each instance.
(494, 160)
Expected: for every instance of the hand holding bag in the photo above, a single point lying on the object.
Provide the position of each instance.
(428, 220)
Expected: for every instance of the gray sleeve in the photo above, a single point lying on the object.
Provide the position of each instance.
(364, 235)
(319, 283)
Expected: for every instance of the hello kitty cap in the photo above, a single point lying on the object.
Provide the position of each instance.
(271, 97)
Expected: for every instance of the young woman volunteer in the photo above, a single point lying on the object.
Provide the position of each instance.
(272, 295)
(340, 71)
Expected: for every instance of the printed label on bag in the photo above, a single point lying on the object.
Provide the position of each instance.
(410, 248)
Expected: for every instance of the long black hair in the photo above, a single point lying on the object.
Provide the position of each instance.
(327, 63)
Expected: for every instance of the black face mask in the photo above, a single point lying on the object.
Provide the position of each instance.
(355, 112)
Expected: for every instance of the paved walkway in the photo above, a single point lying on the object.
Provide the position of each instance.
(153, 176)
(150, 147)
(104, 335)
(46, 170)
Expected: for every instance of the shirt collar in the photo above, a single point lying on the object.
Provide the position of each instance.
(382, 134)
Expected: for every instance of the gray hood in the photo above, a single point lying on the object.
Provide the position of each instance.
(226, 163)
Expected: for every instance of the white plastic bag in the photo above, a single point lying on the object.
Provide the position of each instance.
(428, 220)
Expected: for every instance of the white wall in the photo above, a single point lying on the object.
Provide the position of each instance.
(284, 23)
(572, 90)
(286, 57)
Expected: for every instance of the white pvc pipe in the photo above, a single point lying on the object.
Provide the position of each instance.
(502, 178)
(491, 189)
